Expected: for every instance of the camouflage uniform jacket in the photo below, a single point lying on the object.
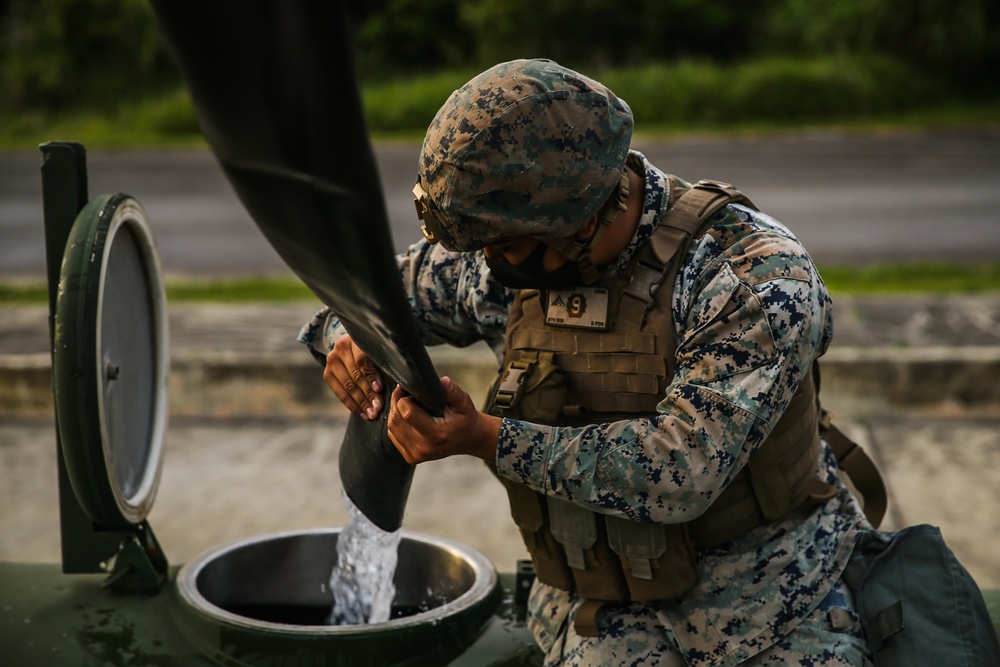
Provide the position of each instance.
(735, 375)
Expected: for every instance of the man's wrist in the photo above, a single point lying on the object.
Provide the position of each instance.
(486, 440)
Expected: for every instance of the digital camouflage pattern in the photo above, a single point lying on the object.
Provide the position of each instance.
(638, 634)
(527, 147)
(751, 313)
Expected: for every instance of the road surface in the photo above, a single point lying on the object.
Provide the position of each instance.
(852, 199)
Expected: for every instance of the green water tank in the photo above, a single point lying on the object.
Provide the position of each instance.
(259, 602)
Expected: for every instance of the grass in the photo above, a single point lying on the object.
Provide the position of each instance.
(762, 95)
(165, 121)
(187, 290)
(944, 279)
(913, 278)
(238, 290)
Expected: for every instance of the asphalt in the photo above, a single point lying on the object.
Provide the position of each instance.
(852, 198)
(254, 433)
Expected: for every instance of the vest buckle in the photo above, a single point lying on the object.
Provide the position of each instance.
(512, 385)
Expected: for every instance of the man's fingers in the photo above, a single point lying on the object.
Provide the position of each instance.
(372, 375)
(401, 434)
(457, 398)
(368, 379)
(333, 375)
(404, 413)
(371, 379)
(349, 374)
(462, 429)
(412, 429)
(359, 385)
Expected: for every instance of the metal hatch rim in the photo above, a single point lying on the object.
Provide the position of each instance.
(486, 584)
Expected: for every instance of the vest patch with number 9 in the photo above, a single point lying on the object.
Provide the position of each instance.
(582, 307)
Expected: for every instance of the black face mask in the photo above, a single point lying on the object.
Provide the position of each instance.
(530, 273)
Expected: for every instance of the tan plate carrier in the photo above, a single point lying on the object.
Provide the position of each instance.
(561, 377)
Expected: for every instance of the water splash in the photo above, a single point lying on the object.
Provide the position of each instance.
(361, 581)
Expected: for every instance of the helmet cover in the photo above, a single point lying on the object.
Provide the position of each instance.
(527, 148)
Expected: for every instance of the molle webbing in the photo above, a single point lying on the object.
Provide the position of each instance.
(565, 376)
(572, 342)
(624, 371)
(612, 372)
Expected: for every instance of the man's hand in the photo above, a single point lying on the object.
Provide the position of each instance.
(462, 429)
(354, 378)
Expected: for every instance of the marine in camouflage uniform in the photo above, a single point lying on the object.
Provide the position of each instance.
(774, 595)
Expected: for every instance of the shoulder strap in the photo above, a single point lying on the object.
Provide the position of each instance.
(853, 460)
(659, 261)
(687, 216)
(864, 474)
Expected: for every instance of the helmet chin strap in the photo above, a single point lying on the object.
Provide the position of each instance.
(575, 250)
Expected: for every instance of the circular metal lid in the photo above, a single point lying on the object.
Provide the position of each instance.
(111, 360)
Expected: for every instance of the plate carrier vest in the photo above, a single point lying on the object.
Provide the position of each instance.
(569, 377)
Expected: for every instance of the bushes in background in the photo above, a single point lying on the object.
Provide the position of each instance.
(56, 54)
(692, 94)
(680, 63)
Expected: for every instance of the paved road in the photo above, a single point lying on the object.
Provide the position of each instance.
(851, 199)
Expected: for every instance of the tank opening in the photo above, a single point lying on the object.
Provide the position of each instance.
(283, 579)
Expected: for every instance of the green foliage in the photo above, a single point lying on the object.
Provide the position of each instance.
(91, 53)
(689, 94)
(98, 69)
(665, 97)
(160, 120)
(961, 37)
(394, 36)
(668, 93)
(170, 114)
(594, 33)
(407, 105)
(785, 89)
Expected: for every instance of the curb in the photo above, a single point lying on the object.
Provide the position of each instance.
(242, 385)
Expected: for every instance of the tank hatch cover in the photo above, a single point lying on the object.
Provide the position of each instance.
(110, 361)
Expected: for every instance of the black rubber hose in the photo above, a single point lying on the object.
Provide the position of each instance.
(374, 474)
(277, 99)
(274, 88)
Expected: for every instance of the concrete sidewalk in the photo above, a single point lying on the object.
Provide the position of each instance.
(243, 360)
(254, 433)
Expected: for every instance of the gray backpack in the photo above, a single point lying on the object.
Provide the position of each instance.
(918, 604)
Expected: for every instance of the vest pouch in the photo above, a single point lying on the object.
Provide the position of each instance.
(583, 537)
(918, 604)
(527, 507)
(657, 559)
(544, 392)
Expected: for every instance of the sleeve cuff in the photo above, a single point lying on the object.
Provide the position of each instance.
(522, 452)
(320, 333)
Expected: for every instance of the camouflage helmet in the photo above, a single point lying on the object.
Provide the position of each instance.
(527, 148)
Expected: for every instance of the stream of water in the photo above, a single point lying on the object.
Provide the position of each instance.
(361, 581)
